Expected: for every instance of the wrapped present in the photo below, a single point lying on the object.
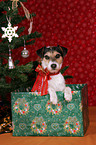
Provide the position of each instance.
(34, 115)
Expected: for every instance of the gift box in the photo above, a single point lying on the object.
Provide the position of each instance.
(34, 115)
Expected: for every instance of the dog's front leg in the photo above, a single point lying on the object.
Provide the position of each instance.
(68, 94)
(53, 96)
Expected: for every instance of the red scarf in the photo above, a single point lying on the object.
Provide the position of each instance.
(41, 83)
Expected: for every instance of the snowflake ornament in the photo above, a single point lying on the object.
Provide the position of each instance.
(9, 32)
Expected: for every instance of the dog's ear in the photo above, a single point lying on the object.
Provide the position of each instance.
(63, 49)
(40, 51)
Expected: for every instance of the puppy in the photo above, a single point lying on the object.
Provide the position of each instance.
(52, 60)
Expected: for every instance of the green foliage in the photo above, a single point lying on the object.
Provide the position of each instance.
(63, 71)
(68, 77)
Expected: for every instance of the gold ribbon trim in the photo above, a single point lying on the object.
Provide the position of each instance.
(15, 5)
(27, 14)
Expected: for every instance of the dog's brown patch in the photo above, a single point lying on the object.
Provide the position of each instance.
(53, 56)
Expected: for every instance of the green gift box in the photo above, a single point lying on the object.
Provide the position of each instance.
(34, 115)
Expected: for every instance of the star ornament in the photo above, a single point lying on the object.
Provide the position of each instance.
(9, 32)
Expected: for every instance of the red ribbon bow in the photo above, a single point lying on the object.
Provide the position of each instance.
(41, 83)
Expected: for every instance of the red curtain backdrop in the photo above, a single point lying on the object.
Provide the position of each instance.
(69, 23)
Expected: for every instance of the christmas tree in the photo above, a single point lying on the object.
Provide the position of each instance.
(12, 75)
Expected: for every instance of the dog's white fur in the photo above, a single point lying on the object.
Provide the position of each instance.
(48, 66)
(57, 83)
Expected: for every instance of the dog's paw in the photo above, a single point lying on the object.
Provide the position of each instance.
(68, 94)
(53, 99)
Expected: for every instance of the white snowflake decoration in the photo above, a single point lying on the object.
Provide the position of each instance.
(9, 32)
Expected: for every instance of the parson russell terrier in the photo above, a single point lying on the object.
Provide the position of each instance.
(49, 79)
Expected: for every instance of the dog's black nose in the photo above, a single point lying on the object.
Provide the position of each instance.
(53, 66)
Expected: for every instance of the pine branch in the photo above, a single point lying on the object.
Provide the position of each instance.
(68, 77)
(64, 69)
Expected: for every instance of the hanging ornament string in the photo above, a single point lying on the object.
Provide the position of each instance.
(8, 20)
(9, 52)
(27, 13)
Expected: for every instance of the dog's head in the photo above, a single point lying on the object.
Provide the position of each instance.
(52, 57)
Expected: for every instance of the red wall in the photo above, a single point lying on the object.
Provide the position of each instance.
(70, 23)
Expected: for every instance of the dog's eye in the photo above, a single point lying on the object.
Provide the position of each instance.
(57, 56)
(47, 57)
